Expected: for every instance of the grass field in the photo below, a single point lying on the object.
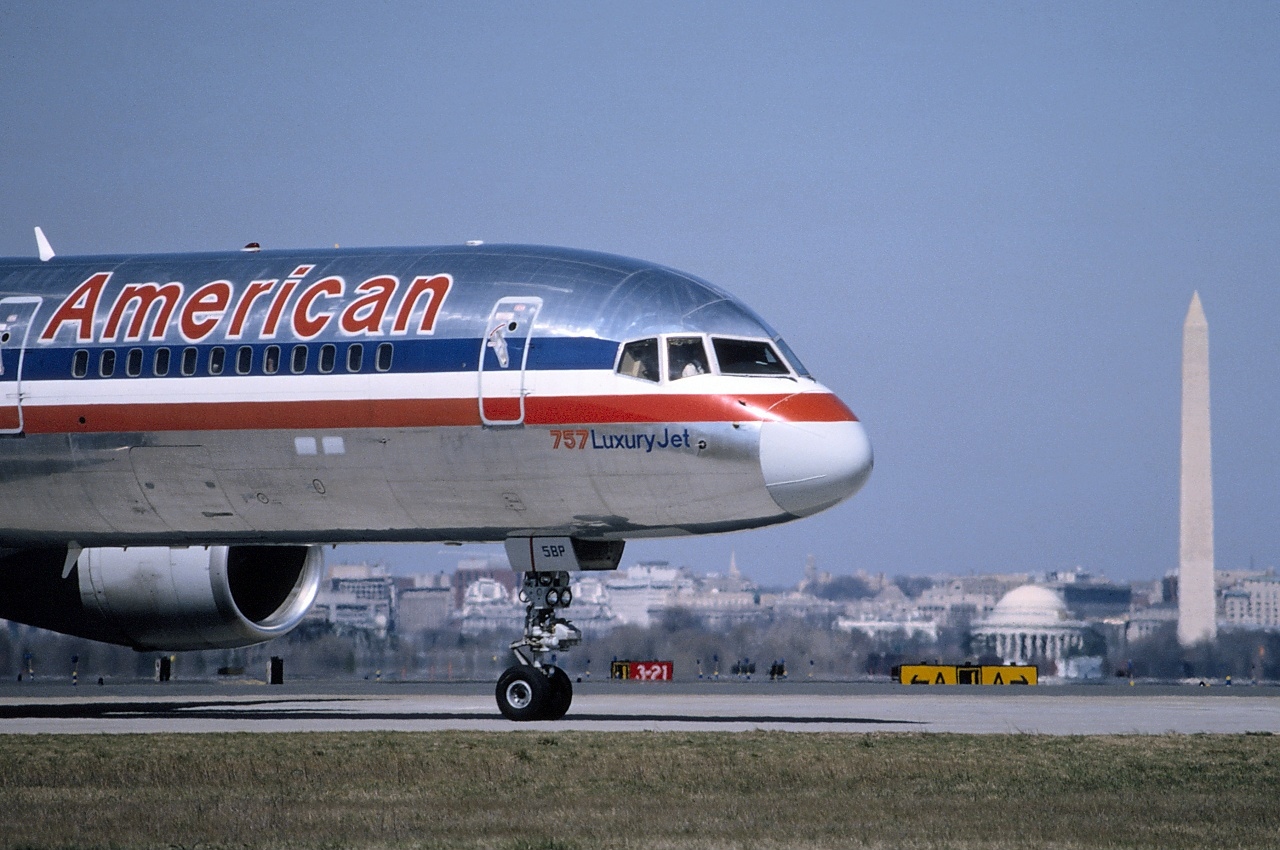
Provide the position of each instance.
(638, 790)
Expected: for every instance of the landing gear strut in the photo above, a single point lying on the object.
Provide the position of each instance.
(531, 689)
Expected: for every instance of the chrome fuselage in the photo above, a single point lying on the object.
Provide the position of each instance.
(465, 393)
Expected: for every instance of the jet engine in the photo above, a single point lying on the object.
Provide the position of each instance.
(160, 598)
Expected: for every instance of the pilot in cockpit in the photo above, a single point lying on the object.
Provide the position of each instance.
(686, 357)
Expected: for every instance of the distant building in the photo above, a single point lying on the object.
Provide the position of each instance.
(879, 628)
(591, 610)
(1144, 594)
(1089, 597)
(421, 609)
(1235, 608)
(952, 602)
(472, 569)
(1029, 625)
(1146, 622)
(356, 596)
(487, 605)
(1253, 603)
(994, 585)
(719, 610)
(639, 594)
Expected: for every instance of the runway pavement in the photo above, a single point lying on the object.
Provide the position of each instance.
(220, 706)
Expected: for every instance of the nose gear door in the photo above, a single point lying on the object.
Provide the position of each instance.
(504, 354)
(15, 324)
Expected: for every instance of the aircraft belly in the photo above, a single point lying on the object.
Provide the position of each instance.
(486, 478)
(107, 481)
(181, 488)
(40, 491)
(322, 483)
(444, 483)
(588, 481)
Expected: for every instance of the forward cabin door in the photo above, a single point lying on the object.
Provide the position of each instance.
(15, 324)
(504, 354)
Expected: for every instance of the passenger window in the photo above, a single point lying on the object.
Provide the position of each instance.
(244, 360)
(217, 360)
(355, 357)
(640, 360)
(748, 357)
(189, 357)
(686, 357)
(107, 363)
(271, 360)
(328, 356)
(80, 364)
(299, 362)
(384, 357)
(160, 366)
(133, 363)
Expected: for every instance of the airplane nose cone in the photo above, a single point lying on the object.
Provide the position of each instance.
(810, 466)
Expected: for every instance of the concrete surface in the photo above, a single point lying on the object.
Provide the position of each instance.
(220, 706)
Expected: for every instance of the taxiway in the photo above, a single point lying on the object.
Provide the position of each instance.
(620, 706)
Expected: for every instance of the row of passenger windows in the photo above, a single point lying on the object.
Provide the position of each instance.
(686, 356)
(217, 361)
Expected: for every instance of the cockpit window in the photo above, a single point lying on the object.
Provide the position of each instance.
(748, 357)
(640, 360)
(686, 357)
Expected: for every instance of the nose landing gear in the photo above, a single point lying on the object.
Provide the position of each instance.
(530, 689)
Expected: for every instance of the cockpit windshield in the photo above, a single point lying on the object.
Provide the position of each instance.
(686, 357)
(681, 356)
(748, 357)
(640, 360)
(792, 358)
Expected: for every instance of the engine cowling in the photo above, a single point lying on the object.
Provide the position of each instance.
(161, 598)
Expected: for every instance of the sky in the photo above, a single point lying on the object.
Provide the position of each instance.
(980, 224)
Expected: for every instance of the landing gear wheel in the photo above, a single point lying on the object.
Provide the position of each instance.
(523, 693)
(532, 690)
(560, 696)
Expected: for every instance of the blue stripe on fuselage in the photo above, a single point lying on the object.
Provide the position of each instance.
(409, 356)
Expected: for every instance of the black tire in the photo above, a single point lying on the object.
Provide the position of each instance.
(523, 693)
(560, 693)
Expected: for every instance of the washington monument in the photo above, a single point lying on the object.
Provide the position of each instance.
(1196, 605)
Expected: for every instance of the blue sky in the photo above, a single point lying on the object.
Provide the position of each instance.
(981, 224)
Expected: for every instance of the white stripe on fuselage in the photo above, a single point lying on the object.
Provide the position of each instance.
(387, 386)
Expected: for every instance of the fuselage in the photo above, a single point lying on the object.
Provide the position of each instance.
(462, 393)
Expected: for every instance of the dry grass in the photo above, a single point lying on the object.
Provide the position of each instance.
(638, 790)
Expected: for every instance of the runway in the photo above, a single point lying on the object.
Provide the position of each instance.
(613, 706)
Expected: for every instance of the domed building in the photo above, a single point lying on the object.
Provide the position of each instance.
(1029, 624)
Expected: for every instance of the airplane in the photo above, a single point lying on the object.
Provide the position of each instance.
(182, 434)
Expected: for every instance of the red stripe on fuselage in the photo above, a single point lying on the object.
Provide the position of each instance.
(428, 413)
(595, 410)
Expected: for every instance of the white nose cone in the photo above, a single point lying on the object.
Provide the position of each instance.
(810, 466)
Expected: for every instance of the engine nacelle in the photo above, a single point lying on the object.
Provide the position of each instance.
(158, 598)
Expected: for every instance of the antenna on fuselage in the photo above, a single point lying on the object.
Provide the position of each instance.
(46, 250)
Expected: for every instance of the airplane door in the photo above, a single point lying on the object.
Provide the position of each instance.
(504, 353)
(15, 323)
